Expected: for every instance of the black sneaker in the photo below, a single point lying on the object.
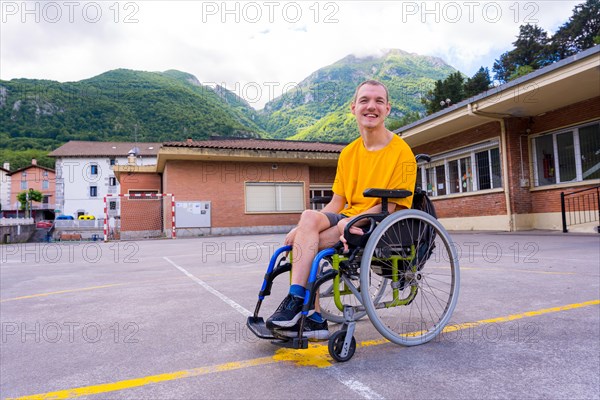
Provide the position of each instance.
(287, 314)
(312, 330)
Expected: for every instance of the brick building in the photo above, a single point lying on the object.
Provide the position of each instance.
(501, 159)
(235, 185)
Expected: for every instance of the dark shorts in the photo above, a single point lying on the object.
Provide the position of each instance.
(334, 218)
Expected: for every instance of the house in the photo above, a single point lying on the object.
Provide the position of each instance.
(34, 177)
(84, 173)
(5, 187)
(231, 186)
(502, 159)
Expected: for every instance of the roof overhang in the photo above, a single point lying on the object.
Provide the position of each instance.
(131, 168)
(322, 159)
(564, 83)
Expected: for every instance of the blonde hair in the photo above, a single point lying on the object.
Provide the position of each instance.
(372, 82)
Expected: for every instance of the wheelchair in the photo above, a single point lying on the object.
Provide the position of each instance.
(402, 273)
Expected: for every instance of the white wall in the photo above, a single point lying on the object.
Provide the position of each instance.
(74, 179)
(4, 190)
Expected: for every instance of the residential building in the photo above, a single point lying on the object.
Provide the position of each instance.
(84, 173)
(34, 177)
(502, 159)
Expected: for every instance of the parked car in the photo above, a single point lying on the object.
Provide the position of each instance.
(69, 217)
(44, 224)
(87, 217)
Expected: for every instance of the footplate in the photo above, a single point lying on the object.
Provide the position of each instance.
(259, 328)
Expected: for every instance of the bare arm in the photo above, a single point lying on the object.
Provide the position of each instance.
(336, 204)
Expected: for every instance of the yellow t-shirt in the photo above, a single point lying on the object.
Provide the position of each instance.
(393, 167)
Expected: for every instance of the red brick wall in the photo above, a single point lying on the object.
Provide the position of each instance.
(518, 164)
(141, 214)
(571, 115)
(544, 201)
(322, 175)
(222, 183)
(466, 206)
(138, 181)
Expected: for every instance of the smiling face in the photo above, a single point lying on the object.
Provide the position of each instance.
(371, 106)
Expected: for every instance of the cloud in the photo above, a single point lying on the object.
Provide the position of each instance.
(241, 44)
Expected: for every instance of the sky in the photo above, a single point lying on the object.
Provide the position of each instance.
(257, 49)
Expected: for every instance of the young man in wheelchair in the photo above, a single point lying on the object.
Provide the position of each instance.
(377, 159)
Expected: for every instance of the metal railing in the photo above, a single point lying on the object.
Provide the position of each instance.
(581, 207)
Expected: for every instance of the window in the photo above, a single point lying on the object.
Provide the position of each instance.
(93, 191)
(23, 185)
(488, 169)
(274, 197)
(44, 173)
(463, 171)
(571, 155)
(93, 169)
(112, 181)
(112, 161)
(112, 205)
(45, 184)
(322, 192)
(461, 177)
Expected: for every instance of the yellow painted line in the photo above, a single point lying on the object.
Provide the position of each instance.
(527, 314)
(131, 383)
(505, 270)
(316, 356)
(32, 296)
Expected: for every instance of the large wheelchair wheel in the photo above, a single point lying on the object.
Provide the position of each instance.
(329, 308)
(412, 257)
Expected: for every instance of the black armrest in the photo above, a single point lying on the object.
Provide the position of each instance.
(387, 193)
(321, 199)
(422, 157)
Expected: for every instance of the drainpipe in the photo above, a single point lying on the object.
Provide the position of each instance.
(472, 110)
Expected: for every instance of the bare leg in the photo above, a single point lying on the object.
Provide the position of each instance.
(306, 244)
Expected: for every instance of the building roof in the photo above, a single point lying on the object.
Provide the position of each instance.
(76, 148)
(565, 82)
(28, 167)
(260, 144)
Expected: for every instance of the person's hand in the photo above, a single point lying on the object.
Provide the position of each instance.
(355, 230)
(289, 238)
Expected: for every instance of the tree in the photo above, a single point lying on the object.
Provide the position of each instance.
(408, 118)
(478, 83)
(27, 196)
(532, 48)
(581, 32)
(450, 88)
(522, 70)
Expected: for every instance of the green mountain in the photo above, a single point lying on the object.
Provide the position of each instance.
(319, 107)
(37, 116)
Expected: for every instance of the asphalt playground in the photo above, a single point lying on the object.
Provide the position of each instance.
(165, 319)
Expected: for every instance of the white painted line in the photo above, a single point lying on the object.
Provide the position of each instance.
(220, 295)
(356, 386)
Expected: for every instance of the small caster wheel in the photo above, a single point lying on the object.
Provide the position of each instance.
(336, 347)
